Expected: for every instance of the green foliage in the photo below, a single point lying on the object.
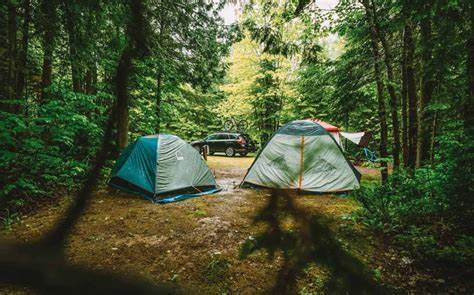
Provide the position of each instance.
(244, 87)
(427, 211)
(50, 151)
(8, 219)
(267, 100)
(185, 111)
(51, 128)
(406, 199)
(314, 99)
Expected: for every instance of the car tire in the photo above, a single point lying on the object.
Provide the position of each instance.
(243, 154)
(229, 152)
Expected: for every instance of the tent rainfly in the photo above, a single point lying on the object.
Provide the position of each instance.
(303, 155)
(162, 168)
(359, 138)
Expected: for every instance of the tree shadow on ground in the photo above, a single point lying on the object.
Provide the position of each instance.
(309, 241)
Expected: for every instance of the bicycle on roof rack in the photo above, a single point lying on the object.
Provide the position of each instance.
(233, 124)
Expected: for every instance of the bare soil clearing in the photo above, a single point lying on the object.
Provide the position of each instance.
(196, 242)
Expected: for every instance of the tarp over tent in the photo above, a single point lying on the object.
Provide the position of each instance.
(359, 138)
(162, 168)
(303, 155)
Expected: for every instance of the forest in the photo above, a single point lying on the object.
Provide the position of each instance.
(80, 80)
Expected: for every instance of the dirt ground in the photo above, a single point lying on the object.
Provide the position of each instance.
(196, 242)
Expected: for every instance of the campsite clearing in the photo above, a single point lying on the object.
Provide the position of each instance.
(196, 242)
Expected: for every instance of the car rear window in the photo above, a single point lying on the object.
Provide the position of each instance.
(222, 136)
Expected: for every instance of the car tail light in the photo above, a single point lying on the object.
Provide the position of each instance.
(241, 140)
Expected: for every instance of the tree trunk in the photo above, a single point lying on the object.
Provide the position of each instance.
(90, 81)
(433, 135)
(159, 82)
(21, 76)
(76, 75)
(373, 21)
(3, 55)
(136, 47)
(404, 104)
(72, 31)
(123, 70)
(49, 13)
(427, 86)
(12, 55)
(468, 104)
(159, 76)
(409, 47)
(381, 102)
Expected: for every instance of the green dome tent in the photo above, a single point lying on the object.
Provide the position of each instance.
(303, 155)
(162, 168)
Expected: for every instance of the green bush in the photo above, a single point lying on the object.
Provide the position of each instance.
(429, 210)
(407, 198)
(50, 149)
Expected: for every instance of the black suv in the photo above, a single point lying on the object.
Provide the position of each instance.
(227, 142)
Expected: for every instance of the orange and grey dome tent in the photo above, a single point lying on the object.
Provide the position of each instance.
(303, 155)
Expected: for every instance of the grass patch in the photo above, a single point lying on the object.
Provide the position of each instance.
(200, 210)
(200, 213)
(216, 270)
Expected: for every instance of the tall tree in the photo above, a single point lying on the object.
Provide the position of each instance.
(137, 46)
(159, 87)
(49, 18)
(267, 101)
(404, 106)
(23, 56)
(162, 43)
(73, 13)
(374, 23)
(12, 54)
(468, 103)
(189, 43)
(411, 92)
(427, 88)
(4, 56)
(380, 98)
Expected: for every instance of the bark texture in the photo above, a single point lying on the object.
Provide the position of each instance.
(49, 14)
(427, 87)
(412, 99)
(137, 46)
(4, 56)
(23, 56)
(468, 105)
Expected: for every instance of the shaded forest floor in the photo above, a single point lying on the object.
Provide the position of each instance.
(196, 242)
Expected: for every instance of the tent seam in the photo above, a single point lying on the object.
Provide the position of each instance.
(300, 180)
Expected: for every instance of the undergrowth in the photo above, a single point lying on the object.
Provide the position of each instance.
(429, 210)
